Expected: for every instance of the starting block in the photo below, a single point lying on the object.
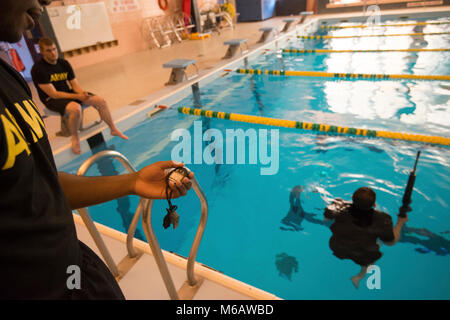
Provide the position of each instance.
(178, 67)
(288, 24)
(234, 45)
(303, 16)
(266, 33)
(64, 131)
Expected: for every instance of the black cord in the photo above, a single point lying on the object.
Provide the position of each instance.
(172, 217)
(169, 191)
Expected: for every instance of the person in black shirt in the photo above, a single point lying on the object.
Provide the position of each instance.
(51, 76)
(356, 228)
(38, 241)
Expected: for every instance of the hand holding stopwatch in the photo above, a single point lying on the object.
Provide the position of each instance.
(175, 176)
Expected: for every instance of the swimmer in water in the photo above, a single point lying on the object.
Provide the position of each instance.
(357, 227)
(296, 213)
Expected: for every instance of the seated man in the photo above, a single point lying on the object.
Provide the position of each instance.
(51, 76)
(356, 228)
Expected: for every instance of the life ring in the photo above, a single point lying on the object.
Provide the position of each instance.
(163, 4)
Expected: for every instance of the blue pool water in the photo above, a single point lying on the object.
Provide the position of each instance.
(250, 235)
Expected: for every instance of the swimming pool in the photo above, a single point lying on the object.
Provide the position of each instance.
(251, 234)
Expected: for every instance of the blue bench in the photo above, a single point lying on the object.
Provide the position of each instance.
(178, 67)
(233, 46)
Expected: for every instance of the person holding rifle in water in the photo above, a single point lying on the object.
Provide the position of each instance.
(357, 226)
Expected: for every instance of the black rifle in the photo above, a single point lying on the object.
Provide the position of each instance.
(408, 191)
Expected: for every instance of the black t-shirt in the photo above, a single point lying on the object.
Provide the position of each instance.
(355, 234)
(57, 74)
(37, 233)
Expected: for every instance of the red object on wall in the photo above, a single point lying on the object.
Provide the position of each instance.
(311, 5)
(163, 4)
(186, 7)
(16, 61)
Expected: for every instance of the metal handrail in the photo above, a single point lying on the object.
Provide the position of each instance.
(154, 245)
(145, 206)
(84, 213)
(198, 236)
(132, 228)
(98, 241)
(156, 250)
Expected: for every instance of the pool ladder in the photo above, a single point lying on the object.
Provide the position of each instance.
(145, 206)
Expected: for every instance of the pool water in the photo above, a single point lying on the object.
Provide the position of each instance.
(251, 234)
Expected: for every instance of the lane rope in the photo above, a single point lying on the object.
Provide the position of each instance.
(372, 35)
(339, 130)
(353, 76)
(302, 51)
(385, 25)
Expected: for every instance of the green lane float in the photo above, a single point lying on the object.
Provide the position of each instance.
(326, 128)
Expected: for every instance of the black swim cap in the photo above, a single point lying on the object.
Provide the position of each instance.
(364, 198)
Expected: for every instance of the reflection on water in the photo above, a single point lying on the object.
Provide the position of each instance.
(365, 103)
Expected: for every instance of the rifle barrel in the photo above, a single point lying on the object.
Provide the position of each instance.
(417, 160)
(408, 190)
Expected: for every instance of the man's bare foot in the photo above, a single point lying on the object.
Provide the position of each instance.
(117, 133)
(76, 145)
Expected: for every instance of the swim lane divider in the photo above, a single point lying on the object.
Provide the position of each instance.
(301, 51)
(372, 35)
(366, 76)
(385, 25)
(316, 127)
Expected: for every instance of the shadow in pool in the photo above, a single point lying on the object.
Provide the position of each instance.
(286, 265)
(434, 242)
